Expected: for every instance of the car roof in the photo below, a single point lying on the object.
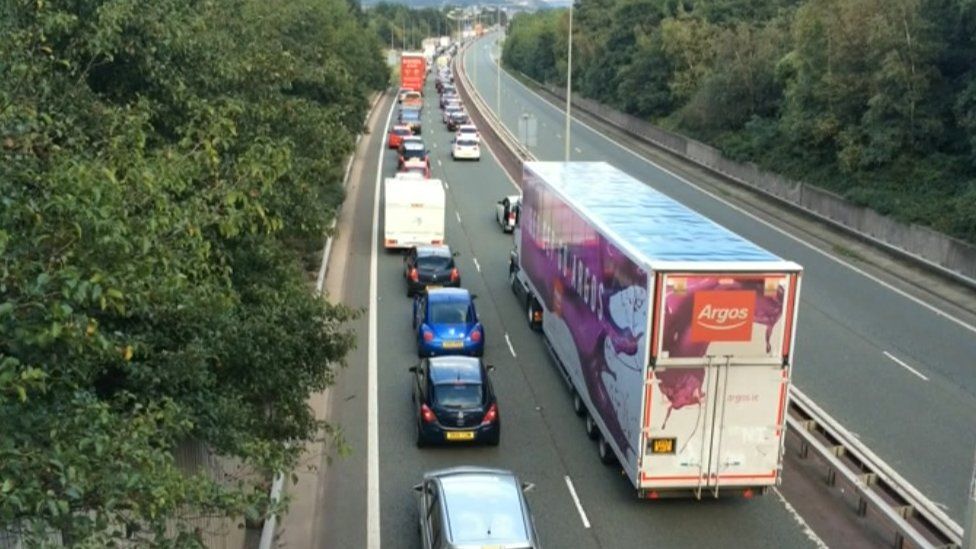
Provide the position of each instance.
(455, 369)
(483, 506)
(448, 294)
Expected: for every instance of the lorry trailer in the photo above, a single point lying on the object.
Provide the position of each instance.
(674, 334)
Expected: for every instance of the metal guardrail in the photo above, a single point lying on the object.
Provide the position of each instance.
(883, 494)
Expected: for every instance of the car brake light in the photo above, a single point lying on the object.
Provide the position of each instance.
(491, 415)
(427, 415)
(414, 275)
(476, 335)
(511, 216)
(454, 275)
(428, 335)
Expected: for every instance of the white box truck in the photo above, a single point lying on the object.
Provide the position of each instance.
(674, 334)
(413, 212)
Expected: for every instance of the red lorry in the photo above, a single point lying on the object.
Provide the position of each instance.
(413, 70)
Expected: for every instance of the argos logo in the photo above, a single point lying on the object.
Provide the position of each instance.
(723, 316)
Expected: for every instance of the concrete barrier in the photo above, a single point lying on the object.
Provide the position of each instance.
(949, 256)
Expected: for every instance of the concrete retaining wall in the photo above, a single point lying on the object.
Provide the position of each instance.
(939, 250)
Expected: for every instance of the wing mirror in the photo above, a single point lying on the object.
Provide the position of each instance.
(418, 488)
(490, 367)
(413, 369)
(527, 487)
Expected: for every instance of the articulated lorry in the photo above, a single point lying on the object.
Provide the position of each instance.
(413, 211)
(674, 335)
(413, 70)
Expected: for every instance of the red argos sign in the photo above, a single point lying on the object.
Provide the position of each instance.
(723, 316)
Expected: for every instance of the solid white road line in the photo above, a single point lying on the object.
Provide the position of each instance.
(785, 233)
(799, 520)
(372, 406)
(476, 265)
(905, 366)
(510, 348)
(458, 216)
(576, 500)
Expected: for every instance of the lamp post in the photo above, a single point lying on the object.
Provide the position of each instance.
(498, 66)
(569, 79)
(969, 526)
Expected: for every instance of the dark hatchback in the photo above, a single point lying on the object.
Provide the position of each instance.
(455, 401)
(430, 266)
(457, 119)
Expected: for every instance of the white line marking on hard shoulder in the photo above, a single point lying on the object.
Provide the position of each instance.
(476, 264)
(510, 348)
(799, 520)
(439, 162)
(372, 418)
(576, 500)
(901, 363)
(785, 233)
(458, 216)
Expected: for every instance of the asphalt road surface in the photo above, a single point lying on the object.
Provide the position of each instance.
(542, 439)
(893, 370)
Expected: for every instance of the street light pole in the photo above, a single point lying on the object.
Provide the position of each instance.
(569, 79)
(969, 526)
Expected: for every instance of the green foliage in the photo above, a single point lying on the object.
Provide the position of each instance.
(874, 99)
(402, 28)
(164, 167)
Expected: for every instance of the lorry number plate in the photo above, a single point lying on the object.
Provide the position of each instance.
(662, 445)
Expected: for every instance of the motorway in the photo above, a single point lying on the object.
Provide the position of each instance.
(542, 439)
(893, 369)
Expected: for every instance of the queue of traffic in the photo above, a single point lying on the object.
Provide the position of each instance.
(451, 387)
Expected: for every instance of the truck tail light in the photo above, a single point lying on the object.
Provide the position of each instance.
(414, 275)
(427, 414)
(491, 415)
(454, 275)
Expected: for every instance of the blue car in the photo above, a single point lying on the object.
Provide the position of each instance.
(447, 323)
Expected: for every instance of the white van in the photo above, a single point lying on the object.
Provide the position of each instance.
(413, 212)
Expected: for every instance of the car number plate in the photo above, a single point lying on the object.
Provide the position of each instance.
(453, 344)
(459, 435)
(434, 286)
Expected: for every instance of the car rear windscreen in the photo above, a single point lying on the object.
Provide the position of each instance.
(449, 312)
(457, 395)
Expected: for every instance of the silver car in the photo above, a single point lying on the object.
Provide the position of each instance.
(474, 507)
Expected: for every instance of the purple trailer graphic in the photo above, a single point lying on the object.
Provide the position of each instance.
(684, 365)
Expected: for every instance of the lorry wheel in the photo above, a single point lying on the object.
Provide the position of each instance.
(592, 430)
(578, 405)
(606, 453)
(532, 308)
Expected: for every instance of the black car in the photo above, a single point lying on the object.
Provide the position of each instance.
(456, 119)
(430, 266)
(455, 401)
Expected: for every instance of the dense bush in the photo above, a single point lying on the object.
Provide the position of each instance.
(163, 167)
(874, 99)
